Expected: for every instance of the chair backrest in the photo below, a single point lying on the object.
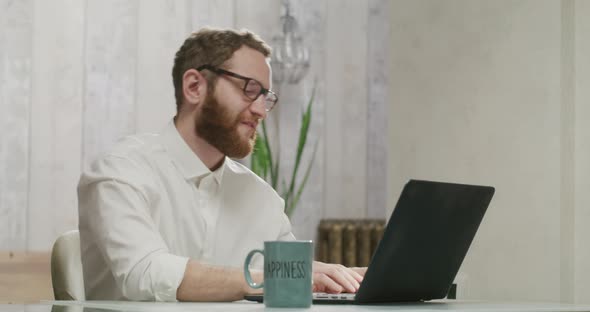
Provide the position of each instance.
(66, 267)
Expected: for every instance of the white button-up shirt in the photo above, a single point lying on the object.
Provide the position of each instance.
(150, 204)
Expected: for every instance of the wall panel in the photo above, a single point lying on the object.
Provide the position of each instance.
(101, 70)
(582, 153)
(218, 14)
(378, 98)
(567, 149)
(346, 110)
(56, 120)
(16, 24)
(293, 100)
(110, 74)
(161, 31)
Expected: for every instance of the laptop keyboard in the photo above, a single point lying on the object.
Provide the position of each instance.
(327, 296)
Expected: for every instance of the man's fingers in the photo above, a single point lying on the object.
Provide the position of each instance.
(357, 276)
(324, 283)
(351, 276)
(341, 277)
(331, 275)
(359, 273)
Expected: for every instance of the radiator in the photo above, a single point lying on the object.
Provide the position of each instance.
(350, 242)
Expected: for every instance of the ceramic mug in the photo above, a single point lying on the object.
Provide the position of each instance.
(287, 273)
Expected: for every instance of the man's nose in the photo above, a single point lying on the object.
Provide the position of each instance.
(258, 107)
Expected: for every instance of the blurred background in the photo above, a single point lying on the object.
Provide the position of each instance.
(468, 91)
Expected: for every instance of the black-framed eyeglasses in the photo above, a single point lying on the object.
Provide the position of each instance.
(252, 88)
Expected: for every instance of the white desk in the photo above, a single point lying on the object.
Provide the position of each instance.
(450, 305)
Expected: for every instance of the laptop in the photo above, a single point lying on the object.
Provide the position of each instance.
(423, 246)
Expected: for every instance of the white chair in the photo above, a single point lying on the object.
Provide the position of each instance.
(66, 267)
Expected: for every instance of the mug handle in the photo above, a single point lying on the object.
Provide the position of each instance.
(247, 270)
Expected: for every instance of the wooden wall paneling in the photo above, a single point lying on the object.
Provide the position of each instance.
(259, 16)
(162, 28)
(218, 14)
(346, 109)
(110, 74)
(293, 99)
(56, 120)
(101, 70)
(378, 101)
(16, 26)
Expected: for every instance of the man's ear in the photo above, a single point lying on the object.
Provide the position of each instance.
(194, 87)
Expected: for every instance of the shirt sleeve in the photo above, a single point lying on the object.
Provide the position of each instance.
(114, 210)
(286, 233)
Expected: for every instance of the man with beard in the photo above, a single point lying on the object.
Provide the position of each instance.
(171, 216)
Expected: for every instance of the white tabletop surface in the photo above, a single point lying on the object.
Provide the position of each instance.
(448, 305)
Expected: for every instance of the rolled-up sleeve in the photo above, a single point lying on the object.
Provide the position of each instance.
(114, 200)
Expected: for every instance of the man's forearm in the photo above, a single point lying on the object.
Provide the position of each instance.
(203, 282)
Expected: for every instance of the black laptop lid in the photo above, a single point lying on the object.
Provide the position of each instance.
(425, 242)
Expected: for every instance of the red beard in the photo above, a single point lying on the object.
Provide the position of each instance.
(216, 125)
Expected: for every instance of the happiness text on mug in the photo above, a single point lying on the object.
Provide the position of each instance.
(285, 269)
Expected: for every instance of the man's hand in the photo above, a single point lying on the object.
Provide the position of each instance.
(336, 278)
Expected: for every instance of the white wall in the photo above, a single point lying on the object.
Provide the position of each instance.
(77, 75)
(582, 152)
(494, 93)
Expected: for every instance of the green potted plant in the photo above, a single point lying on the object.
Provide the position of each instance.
(265, 165)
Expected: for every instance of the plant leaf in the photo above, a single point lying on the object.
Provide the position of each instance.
(263, 163)
(304, 181)
(274, 175)
(305, 122)
(268, 153)
(259, 158)
(256, 160)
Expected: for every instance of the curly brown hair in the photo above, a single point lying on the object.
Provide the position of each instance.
(210, 46)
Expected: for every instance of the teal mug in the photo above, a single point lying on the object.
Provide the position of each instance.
(287, 273)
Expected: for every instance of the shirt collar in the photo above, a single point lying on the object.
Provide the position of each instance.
(189, 164)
